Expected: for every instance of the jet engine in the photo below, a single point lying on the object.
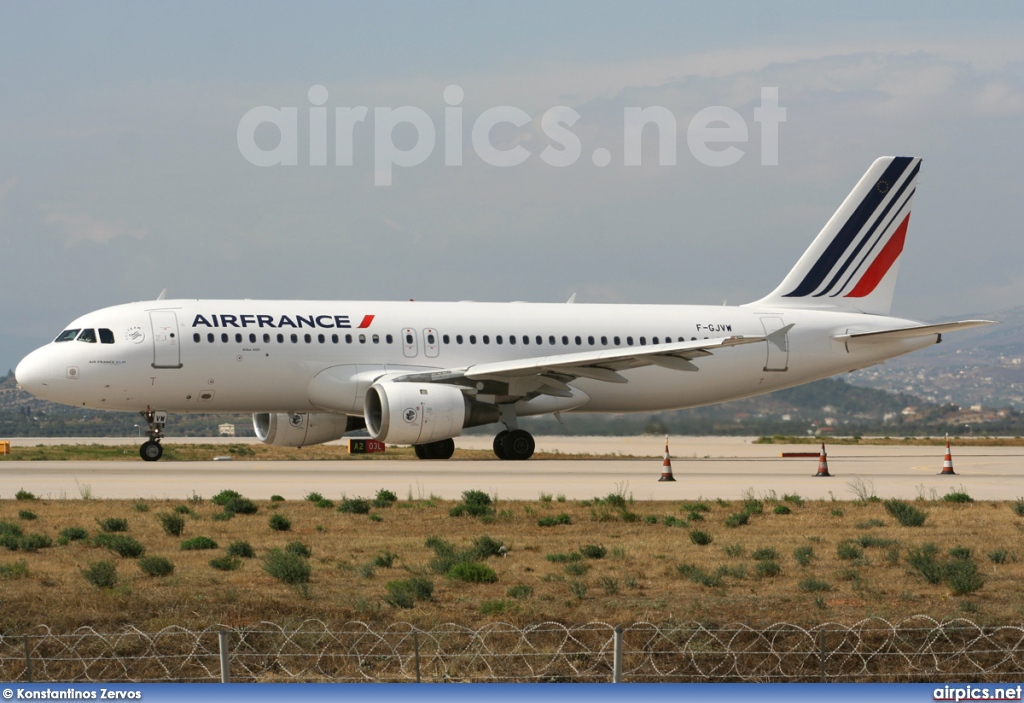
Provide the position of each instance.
(417, 413)
(300, 429)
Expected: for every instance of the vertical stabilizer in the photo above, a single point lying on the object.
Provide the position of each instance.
(853, 262)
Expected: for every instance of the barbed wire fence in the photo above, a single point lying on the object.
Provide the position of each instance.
(915, 649)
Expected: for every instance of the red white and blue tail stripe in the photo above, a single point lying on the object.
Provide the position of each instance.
(853, 262)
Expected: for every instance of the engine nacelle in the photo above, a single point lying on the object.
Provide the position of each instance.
(301, 429)
(416, 413)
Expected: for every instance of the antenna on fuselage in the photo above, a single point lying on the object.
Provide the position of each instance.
(163, 294)
(572, 299)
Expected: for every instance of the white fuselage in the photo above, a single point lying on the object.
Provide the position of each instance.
(263, 356)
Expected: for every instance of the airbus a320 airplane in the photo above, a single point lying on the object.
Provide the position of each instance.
(419, 373)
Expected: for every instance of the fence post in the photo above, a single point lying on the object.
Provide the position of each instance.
(225, 657)
(617, 656)
(821, 653)
(416, 649)
(28, 659)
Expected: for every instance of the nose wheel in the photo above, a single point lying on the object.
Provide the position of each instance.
(151, 450)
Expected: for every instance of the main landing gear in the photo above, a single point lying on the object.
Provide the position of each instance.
(514, 445)
(151, 449)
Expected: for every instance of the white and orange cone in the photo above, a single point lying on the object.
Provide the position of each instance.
(947, 463)
(823, 463)
(666, 465)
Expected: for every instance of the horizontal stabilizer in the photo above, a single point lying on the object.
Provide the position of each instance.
(911, 332)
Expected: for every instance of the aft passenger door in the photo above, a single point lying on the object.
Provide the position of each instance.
(410, 347)
(430, 343)
(166, 346)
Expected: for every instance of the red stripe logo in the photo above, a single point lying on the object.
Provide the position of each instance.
(882, 263)
(367, 319)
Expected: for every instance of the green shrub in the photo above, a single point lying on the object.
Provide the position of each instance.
(298, 549)
(694, 516)
(355, 506)
(578, 589)
(472, 572)
(593, 551)
(700, 537)
(960, 552)
(767, 569)
(905, 513)
(924, 560)
(405, 593)
(793, 499)
(782, 510)
(803, 554)
(495, 607)
(868, 524)
(699, 576)
(765, 554)
(173, 523)
(27, 515)
(848, 550)
(241, 506)
(14, 570)
(872, 541)
(520, 591)
(34, 542)
(695, 508)
(72, 534)
(122, 545)
(102, 574)
(279, 523)
(733, 550)
(287, 568)
(113, 524)
(810, 585)
(314, 497)
(485, 546)
(476, 498)
(737, 520)
(141, 507)
(24, 495)
(156, 566)
(276, 498)
(1018, 507)
(384, 560)
(10, 528)
(837, 512)
(753, 506)
(962, 576)
(999, 556)
(226, 563)
(198, 543)
(224, 497)
(241, 548)
(957, 497)
(183, 510)
(384, 499)
(577, 568)
(553, 520)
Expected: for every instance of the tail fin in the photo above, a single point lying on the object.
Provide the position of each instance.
(852, 263)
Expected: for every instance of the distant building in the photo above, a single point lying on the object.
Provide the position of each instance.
(226, 430)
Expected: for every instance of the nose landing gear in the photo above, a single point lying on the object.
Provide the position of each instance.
(151, 449)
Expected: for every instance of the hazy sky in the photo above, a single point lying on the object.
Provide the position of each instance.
(121, 172)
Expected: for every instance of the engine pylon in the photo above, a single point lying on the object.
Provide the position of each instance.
(823, 463)
(947, 462)
(666, 465)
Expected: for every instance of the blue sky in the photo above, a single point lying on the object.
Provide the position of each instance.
(120, 172)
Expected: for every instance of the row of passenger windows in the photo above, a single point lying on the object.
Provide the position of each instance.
(86, 335)
(293, 338)
(552, 340)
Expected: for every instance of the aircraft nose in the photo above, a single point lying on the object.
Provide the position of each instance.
(33, 373)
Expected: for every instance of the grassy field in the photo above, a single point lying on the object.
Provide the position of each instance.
(429, 561)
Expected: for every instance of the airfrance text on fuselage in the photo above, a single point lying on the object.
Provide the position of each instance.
(295, 321)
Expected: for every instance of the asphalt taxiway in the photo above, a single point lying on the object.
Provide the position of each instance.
(708, 467)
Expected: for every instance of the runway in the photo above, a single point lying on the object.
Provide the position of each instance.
(705, 467)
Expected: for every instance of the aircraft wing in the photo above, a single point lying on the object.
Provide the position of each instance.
(550, 374)
(911, 332)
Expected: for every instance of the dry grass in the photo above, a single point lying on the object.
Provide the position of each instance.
(637, 579)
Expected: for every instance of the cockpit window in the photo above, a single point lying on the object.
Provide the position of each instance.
(88, 335)
(106, 336)
(67, 335)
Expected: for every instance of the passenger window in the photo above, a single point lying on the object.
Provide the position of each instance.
(376, 339)
(334, 339)
(458, 339)
(643, 341)
(295, 339)
(618, 341)
(590, 341)
(604, 341)
(551, 340)
(196, 337)
(280, 338)
(526, 340)
(408, 339)
(87, 336)
(106, 336)
(472, 339)
(224, 337)
(348, 339)
(511, 339)
(308, 338)
(320, 338)
(565, 340)
(579, 341)
(629, 341)
(654, 341)
(362, 339)
(444, 338)
(238, 337)
(210, 338)
(497, 340)
(252, 338)
(67, 335)
(266, 338)
(539, 340)
(430, 339)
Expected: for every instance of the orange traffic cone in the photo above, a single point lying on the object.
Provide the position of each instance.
(947, 463)
(666, 466)
(823, 463)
